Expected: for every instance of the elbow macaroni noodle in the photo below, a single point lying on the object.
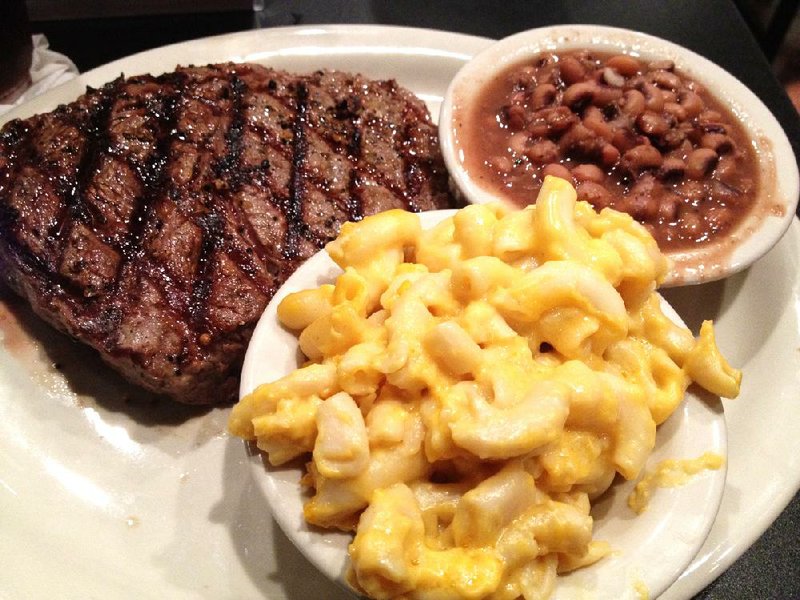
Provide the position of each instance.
(470, 388)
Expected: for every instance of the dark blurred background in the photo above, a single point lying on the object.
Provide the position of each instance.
(131, 24)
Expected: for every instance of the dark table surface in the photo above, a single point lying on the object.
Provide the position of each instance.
(713, 28)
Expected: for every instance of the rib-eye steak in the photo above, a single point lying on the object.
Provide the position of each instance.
(154, 218)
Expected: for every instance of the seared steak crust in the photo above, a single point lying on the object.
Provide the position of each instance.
(155, 217)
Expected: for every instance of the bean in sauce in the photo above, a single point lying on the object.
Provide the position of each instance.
(640, 137)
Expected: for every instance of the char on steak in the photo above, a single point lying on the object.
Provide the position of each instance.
(155, 217)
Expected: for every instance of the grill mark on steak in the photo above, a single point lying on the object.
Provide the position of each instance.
(96, 141)
(289, 201)
(355, 210)
(371, 171)
(211, 225)
(349, 111)
(410, 172)
(171, 208)
(229, 166)
(234, 174)
(153, 179)
(152, 175)
(210, 219)
(292, 209)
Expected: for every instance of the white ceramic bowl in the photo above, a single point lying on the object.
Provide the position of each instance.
(652, 549)
(775, 205)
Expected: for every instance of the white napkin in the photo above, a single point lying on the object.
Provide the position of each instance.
(48, 69)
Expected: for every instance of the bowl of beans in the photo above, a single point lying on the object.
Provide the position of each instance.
(635, 123)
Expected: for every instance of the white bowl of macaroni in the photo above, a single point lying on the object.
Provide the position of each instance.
(636, 122)
(487, 403)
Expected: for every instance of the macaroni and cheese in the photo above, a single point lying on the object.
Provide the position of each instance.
(471, 388)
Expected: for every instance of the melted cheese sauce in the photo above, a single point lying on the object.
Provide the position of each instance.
(671, 473)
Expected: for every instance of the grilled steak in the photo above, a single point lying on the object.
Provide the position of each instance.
(154, 218)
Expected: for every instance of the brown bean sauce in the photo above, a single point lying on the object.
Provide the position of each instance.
(639, 137)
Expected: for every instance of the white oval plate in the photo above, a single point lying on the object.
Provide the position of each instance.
(105, 497)
(774, 207)
(651, 549)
